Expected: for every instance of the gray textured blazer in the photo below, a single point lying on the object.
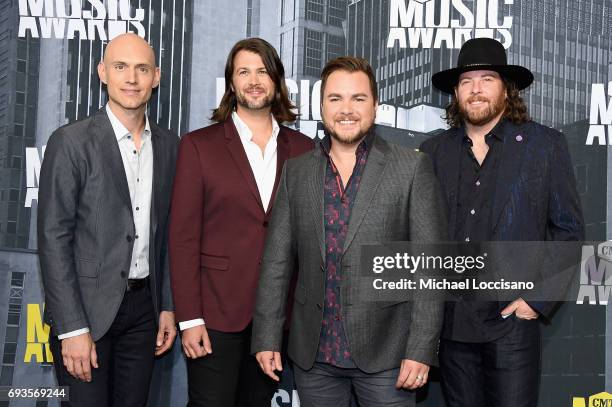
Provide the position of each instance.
(86, 228)
(398, 200)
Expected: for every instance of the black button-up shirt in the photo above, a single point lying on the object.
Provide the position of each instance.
(476, 194)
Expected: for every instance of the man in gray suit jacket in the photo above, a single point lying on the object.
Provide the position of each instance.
(105, 186)
(354, 189)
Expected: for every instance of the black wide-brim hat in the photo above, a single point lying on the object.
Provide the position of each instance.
(482, 54)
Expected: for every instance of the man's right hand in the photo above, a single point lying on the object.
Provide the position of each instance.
(79, 356)
(195, 342)
(269, 362)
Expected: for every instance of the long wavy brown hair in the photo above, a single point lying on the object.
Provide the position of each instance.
(515, 111)
(281, 105)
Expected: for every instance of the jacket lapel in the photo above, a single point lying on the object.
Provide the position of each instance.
(316, 195)
(101, 126)
(283, 152)
(514, 147)
(236, 149)
(450, 176)
(370, 180)
(159, 169)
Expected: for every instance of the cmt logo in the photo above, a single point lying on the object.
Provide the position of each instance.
(37, 337)
(428, 23)
(602, 399)
(285, 399)
(600, 118)
(596, 274)
(52, 19)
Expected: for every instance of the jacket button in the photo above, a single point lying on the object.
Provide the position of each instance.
(319, 306)
(128, 238)
(123, 273)
(322, 268)
(265, 224)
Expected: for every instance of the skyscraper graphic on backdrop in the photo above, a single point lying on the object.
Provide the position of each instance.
(19, 73)
(49, 82)
(567, 45)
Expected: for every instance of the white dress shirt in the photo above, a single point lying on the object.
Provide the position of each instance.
(263, 167)
(138, 166)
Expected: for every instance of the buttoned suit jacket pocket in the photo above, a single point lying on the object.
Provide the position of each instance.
(88, 268)
(214, 262)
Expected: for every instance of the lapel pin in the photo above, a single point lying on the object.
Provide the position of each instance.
(519, 138)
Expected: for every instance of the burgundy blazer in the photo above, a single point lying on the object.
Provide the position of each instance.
(218, 225)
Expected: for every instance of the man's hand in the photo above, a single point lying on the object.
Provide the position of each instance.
(166, 332)
(521, 309)
(195, 342)
(79, 356)
(412, 375)
(269, 362)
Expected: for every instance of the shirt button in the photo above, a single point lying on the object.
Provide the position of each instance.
(472, 211)
(137, 208)
(467, 239)
(136, 236)
(134, 151)
(129, 137)
(478, 183)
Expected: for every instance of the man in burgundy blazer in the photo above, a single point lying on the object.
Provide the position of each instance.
(226, 178)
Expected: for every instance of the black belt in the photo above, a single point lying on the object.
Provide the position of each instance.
(135, 284)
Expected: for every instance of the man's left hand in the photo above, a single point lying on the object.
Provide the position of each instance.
(521, 310)
(166, 333)
(412, 375)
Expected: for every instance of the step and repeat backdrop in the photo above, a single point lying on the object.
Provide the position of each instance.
(49, 50)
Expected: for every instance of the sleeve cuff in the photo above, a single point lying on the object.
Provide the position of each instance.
(191, 323)
(73, 333)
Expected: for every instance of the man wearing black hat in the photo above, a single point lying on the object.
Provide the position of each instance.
(505, 178)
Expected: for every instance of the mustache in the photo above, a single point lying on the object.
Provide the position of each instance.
(477, 99)
(255, 88)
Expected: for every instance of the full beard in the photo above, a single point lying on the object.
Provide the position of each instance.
(262, 103)
(481, 117)
(347, 139)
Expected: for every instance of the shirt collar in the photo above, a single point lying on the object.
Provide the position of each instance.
(119, 128)
(497, 131)
(246, 134)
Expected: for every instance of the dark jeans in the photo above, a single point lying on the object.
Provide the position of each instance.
(329, 386)
(126, 354)
(501, 373)
(230, 375)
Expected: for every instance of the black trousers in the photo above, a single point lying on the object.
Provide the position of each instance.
(126, 354)
(230, 375)
(501, 373)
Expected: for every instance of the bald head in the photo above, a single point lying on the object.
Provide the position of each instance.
(128, 44)
(129, 72)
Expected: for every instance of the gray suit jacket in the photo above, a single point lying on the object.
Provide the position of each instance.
(86, 228)
(398, 200)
